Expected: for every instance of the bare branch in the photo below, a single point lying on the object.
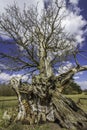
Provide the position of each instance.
(16, 59)
(42, 37)
(65, 77)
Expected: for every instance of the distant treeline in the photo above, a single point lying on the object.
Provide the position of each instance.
(71, 88)
(85, 91)
(6, 90)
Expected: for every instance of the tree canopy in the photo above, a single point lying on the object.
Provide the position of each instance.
(36, 41)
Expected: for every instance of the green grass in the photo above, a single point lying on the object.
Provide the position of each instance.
(83, 103)
(8, 102)
(77, 96)
(7, 97)
(6, 105)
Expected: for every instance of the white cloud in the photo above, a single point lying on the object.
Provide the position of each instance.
(79, 73)
(29, 3)
(75, 2)
(76, 77)
(74, 24)
(65, 68)
(4, 3)
(4, 77)
(83, 84)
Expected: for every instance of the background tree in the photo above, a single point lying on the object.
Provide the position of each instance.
(85, 91)
(41, 43)
(6, 90)
(72, 88)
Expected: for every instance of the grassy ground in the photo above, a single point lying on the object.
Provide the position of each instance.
(7, 105)
(7, 97)
(83, 102)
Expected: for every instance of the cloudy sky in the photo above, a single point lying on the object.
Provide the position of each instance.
(74, 22)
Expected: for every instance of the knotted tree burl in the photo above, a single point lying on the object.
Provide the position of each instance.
(41, 47)
(42, 101)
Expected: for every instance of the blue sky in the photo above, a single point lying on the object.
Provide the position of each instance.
(81, 78)
(74, 23)
(83, 7)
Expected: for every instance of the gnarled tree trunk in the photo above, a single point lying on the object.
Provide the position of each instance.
(42, 101)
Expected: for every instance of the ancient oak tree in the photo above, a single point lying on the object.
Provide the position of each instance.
(41, 45)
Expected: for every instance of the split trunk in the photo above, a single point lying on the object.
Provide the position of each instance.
(42, 101)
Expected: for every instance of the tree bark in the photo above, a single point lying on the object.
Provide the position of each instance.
(41, 101)
(45, 66)
(67, 113)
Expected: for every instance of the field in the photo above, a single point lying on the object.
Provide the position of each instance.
(83, 101)
(7, 103)
(11, 103)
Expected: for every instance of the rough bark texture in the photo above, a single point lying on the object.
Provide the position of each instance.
(67, 113)
(45, 66)
(42, 101)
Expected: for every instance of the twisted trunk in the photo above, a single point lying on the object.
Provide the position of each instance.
(42, 101)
